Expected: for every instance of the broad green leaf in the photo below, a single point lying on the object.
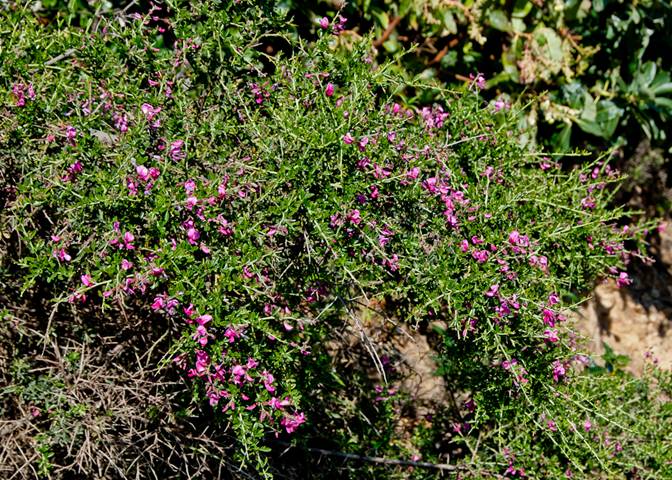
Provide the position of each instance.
(646, 74)
(664, 102)
(449, 22)
(663, 88)
(589, 111)
(499, 21)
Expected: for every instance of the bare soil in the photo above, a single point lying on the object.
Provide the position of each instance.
(635, 321)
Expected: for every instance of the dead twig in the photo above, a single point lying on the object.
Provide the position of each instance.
(380, 460)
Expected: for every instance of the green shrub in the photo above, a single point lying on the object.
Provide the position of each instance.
(594, 73)
(171, 166)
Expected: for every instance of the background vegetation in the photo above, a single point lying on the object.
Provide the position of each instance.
(201, 198)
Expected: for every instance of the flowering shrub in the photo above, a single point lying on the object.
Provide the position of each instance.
(162, 162)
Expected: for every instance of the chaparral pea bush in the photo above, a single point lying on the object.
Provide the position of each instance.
(595, 73)
(164, 163)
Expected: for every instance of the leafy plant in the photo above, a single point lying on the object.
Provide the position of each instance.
(168, 165)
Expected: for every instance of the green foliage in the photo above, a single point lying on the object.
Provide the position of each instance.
(176, 168)
(595, 72)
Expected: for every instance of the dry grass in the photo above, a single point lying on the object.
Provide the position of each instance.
(106, 409)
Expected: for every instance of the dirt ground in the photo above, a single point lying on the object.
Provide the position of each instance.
(637, 319)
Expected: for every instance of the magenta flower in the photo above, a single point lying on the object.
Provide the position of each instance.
(143, 172)
(193, 235)
(550, 317)
(587, 425)
(324, 23)
(276, 404)
(158, 303)
(559, 370)
(292, 422)
(552, 426)
(120, 122)
(202, 361)
(87, 280)
(70, 134)
(492, 291)
(17, 91)
(481, 256)
(201, 335)
(329, 91)
(189, 186)
(62, 255)
(551, 335)
(231, 334)
(354, 217)
(175, 150)
(348, 139)
(149, 111)
(623, 280)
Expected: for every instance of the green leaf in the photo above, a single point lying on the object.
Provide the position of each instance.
(499, 21)
(664, 102)
(521, 8)
(382, 18)
(589, 111)
(607, 116)
(552, 43)
(662, 89)
(646, 74)
(449, 22)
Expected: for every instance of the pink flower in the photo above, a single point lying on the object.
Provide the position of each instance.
(587, 425)
(492, 291)
(413, 173)
(354, 217)
(324, 23)
(62, 255)
(559, 370)
(550, 317)
(189, 186)
(142, 172)
(70, 134)
(87, 280)
(175, 150)
(553, 299)
(501, 105)
(191, 202)
(203, 319)
(552, 426)
(202, 361)
(17, 90)
(193, 235)
(158, 303)
(348, 139)
(120, 122)
(479, 80)
(149, 111)
(329, 91)
(551, 335)
(268, 380)
(292, 422)
(276, 404)
(126, 265)
(339, 26)
(623, 280)
(128, 240)
(231, 334)
(481, 256)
